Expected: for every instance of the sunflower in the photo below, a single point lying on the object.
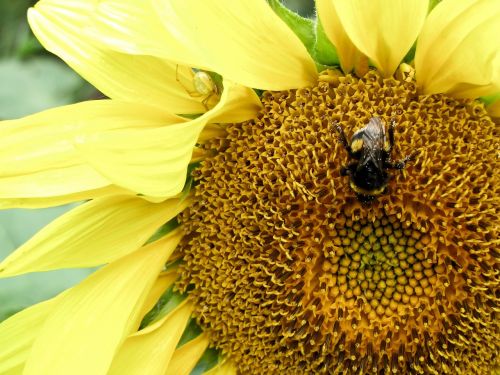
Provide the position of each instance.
(224, 219)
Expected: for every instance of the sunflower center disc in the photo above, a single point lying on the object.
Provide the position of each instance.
(292, 275)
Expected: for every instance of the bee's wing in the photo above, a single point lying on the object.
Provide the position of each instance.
(373, 142)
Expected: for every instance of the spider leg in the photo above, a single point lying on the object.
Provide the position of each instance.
(206, 100)
(190, 92)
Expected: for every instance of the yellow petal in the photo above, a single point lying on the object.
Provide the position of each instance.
(94, 233)
(225, 368)
(134, 27)
(39, 152)
(18, 370)
(164, 281)
(62, 199)
(238, 103)
(244, 41)
(60, 26)
(383, 30)
(211, 131)
(186, 357)
(199, 154)
(150, 350)
(18, 333)
(347, 51)
(154, 162)
(458, 51)
(94, 318)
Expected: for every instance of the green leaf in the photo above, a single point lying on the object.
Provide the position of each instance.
(34, 85)
(17, 293)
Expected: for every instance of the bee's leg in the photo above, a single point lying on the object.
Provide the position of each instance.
(345, 171)
(392, 126)
(365, 200)
(349, 169)
(343, 138)
(400, 164)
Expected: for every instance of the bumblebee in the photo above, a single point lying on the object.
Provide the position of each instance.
(370, 148)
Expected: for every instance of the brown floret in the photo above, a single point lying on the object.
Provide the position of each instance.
(291, 274)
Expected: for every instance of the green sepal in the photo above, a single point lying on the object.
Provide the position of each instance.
(190, 181)
(165, 229)
(190, 116)
(302, 27)
(210, 358)
(192, 331)
(410, 56)
(433, 3)
(311, 33)
(259, 92)
(174, 223)
(167, 303)
(490, 99)
(325, 52)
(172, 265)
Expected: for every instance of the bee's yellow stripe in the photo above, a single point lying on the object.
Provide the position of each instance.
(357, 145)
(358, 190)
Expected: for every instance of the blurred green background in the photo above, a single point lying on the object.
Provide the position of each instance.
(32, 80)
(304, 7)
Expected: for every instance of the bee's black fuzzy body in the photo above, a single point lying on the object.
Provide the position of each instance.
(370, 150)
